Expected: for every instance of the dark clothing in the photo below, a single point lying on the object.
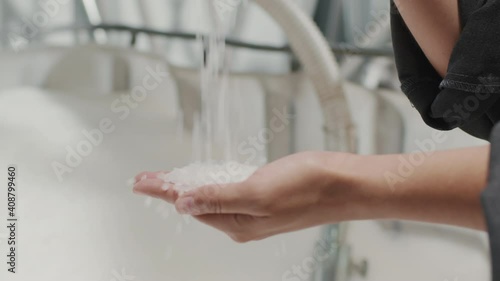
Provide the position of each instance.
(469, 95)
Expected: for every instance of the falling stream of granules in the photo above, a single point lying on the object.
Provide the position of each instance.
(213, 125)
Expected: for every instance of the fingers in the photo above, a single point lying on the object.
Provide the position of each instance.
(145, 175)
(151, 184)
(235, 198)
(230, 208)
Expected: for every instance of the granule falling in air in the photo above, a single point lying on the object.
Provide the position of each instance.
(199, 174)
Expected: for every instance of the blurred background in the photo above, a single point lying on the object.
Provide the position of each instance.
(67, 65)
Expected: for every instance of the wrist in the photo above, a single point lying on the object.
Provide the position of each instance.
(356, 188)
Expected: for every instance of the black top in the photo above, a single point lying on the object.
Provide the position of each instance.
(469, 95)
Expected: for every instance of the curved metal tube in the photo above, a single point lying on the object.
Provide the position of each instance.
(314, 53)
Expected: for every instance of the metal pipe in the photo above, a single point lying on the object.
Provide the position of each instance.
(338, 49)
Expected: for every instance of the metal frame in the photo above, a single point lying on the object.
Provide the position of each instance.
(135, 31)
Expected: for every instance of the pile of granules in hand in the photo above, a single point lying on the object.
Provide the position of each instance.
(199, 174)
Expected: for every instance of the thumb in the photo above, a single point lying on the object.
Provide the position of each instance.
(231, 198)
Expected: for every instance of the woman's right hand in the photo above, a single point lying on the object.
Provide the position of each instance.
(295, 192)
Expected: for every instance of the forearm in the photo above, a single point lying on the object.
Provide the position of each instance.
(441, 187)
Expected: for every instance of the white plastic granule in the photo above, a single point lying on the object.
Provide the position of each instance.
(199, 174)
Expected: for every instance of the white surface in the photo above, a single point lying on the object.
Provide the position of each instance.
(90, 226)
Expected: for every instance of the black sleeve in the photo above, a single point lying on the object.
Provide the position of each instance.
(469, 96)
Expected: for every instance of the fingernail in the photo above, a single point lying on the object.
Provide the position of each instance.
(137, 191)
(165, 186)
(144, 177)
(131, 182)
(185, 205)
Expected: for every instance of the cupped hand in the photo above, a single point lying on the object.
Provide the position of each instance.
(295, 192)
